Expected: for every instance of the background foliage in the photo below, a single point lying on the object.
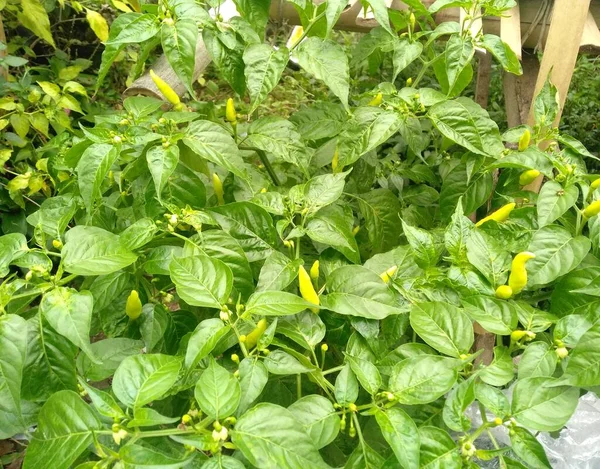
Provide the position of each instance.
(290, 279)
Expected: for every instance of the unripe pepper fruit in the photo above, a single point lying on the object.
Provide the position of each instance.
(504, 292)
(499, 215)
(524, 140)
(230, 112)
(377, 100)
(252, 338)
(218, 188)
(592, 209)
(133, 306)
(528, 177)
(306, 288)
(517, 279)
(388, 274)
(166, 91)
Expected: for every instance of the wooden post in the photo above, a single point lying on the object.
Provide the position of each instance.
(560, 56)
(518, 90)
(484, 75)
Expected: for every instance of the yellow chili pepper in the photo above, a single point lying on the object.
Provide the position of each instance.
(355, 230)
(515, 336)
(314, 271)
(388, 274)
(518, 273)
(335, 160)
(504, 292)
(524, 140)
(562, 352)
(592, 209)
(133, 307)
(412, 20)
(218, 188)
(528, 176)
(230, 113)
(595, 184)
(307, 290)
(499, 215)
(166, 91)
(252, 338)
(376, 101)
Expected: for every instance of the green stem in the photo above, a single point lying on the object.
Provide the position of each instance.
(426, 66)
(266, 163)
(333, 370)
(299, 385)
(360, 437)
(307, 30)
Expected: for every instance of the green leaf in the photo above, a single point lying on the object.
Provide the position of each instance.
(367, 374)
(253, 378)
(357, 291)
(264, 66)
(219, 461)
(539, 359)
(502, 53)
(256, 12)
(109, 354)
(553, 201)
(201, 280)
(104, 403)
(500, 371)
(250, 225)
(557, 253)
(546, 105)
(92, 170)
(269, 436)
(570, 329)
(142, 28)
(13, 343)
(278, 136)
(320, 120)
(443, 326)
(64, 431)
(279, 362)
(492, 399)
(380, 11)
(327, 61)
(464, 122)
(141, 457)
(138, 234)
(425, 250)
(438, 449)
(213, 143)
(402, 435)
(306, 329)
(494, 315)
(277, 272)
(539, 404)
(457, 402)
(34, 17)
(529, 449)
(458, 55)
(583, 367)
(12, 246)
(370, 127)
(346, 386)
(220, 245)
(225, 50)
(141, 379)
(333, 226)
(381, 210)
(179, 46)
(472, 191)
(90, 250)
(203, 340)
(217, 392)
(53, 216)
(422, 379)
(319, 418)
(162, 163)
(488, 257)
(50, 365)
(532, 158)
(405, 53)
(333, 10)
(69, 312)
(276, 303)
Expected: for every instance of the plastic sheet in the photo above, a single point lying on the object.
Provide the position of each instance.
(577, 446)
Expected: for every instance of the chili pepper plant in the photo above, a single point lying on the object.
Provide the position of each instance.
(217, 286)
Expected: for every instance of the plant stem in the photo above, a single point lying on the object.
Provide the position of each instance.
(267, 164)
(299, 385)
(307, 30)
(333, 370)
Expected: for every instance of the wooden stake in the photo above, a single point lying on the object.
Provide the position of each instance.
(560, 56)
